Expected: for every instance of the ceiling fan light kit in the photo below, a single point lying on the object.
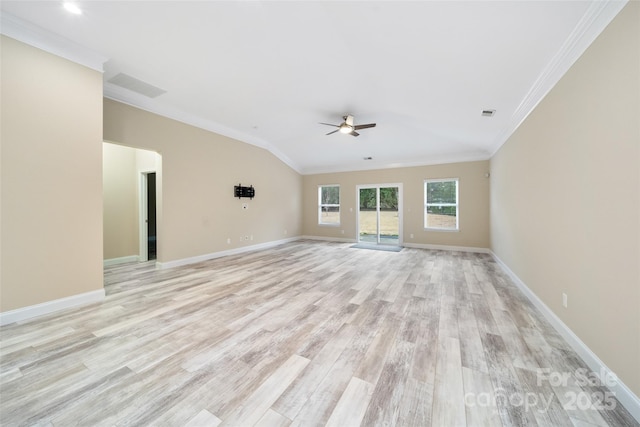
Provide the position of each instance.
(348, 126)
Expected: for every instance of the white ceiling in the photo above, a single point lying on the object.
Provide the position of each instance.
(267, 72)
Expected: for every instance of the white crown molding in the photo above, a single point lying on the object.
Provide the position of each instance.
(621, 391)
(16, 28)
(49, 307)
(133, 99)
(356, 167)
(598, 15)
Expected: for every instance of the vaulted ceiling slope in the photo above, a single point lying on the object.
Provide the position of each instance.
(268, 72)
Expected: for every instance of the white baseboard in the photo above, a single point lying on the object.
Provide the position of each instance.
(621, 391)
(407, 245)
(121, 260)
(330, 239)
(213, 255)
(447, 248)
(49, 307)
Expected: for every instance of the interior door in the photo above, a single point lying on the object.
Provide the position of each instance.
(148, 217)
(151, 216)
(379, 219)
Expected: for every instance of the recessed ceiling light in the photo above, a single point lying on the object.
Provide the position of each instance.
(72, 7)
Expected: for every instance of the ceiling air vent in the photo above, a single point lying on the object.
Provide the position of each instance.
(135, 85)
(488, 113)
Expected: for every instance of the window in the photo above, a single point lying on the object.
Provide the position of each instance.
(329, 204)
(441, 204)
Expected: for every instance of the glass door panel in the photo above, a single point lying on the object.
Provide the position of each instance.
(378, 215)
(389, 223)
(368, 215)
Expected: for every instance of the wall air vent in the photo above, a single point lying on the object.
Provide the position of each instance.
(488, 113)
(135, 85)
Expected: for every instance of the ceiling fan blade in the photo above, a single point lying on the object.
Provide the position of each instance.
(348, 120)
(333, 131)
(369, 125)
(354, 133)
(329, 124)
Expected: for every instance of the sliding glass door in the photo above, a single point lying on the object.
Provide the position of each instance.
(379, 214)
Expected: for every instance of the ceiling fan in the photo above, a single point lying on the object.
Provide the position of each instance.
(348, 127)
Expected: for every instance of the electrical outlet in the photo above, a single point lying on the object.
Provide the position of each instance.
(342, 231)
(411, 235)
(251, 237)
(229, 241)
(285, 231)
(565, 300)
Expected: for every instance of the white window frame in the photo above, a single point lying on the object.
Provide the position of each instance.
(321, 205)
(456, 204)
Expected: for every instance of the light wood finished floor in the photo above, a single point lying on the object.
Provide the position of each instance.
(304, 334)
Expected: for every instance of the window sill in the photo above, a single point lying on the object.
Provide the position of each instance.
(444, 230)
(321, 224)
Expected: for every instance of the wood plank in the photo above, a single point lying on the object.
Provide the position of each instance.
(505, 381)
(480, 405)
(204, 418)
(448, 396)
(273, 419)
(352, 404)
(258, 402)
(387, 396)
(296, 396)
(417, 403)
(471, 349)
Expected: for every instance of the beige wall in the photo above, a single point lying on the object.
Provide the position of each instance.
(146, 161)
(121, 172)
(199, 170)
(565, 198)
(120, 202)
(473, 202)
(51, 176)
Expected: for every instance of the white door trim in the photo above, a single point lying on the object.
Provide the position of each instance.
(400, 207)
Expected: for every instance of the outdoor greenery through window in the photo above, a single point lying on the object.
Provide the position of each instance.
(329, 204)
(441, 204)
